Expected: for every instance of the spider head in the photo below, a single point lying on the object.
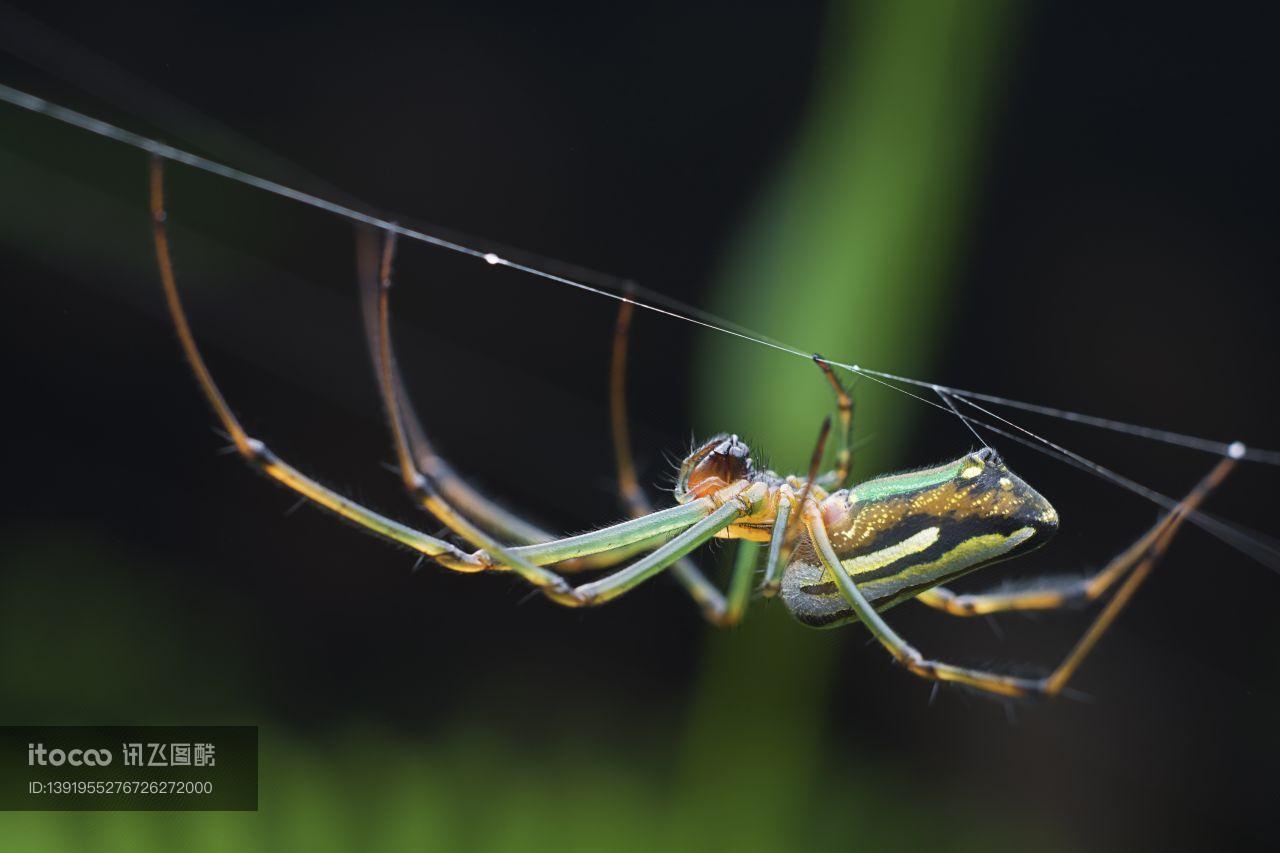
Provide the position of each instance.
(717, 463)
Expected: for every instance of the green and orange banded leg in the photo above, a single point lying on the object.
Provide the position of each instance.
(255, 452)
(902, 651)
(839, 478)
(1058, 592)
(714, 518)
(1141, 559)
(1144, 564)
(430, 481)
(625, 579)
(681, 528)
(1050, 593)
(421, 488)
(373, 260)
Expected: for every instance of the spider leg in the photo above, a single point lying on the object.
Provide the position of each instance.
(373, 263)
(772, 582)
(430, 481)
(784, 530)
(1143, 561)
(1052, 593)
(839, 478)
(258, 455)
(424, 487)
(613, 585)
(686, 526)
(686, 572)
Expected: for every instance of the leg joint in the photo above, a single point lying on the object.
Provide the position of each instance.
(253, 450)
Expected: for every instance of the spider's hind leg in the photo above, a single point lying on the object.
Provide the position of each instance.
(1137, 561)
(670, 534)
(1065, 591)
(1056, 592)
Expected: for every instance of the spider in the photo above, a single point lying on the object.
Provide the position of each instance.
(837, 553)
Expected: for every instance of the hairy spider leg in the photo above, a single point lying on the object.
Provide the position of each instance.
(419, 487)
(686, 526)
(1049, 593)
(1142, 558)
(476, 513)
(254, 451)
(373, 268)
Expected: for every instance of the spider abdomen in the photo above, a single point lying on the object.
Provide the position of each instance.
(900, 535)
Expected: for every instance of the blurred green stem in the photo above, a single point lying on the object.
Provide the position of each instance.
(852, 247)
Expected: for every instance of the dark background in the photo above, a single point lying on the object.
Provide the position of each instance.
(1119, 259)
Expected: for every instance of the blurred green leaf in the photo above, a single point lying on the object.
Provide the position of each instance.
(849, 249)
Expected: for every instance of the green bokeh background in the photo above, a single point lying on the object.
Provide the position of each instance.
(548, 733)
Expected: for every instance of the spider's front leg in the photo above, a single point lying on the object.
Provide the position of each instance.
(430, 481)
(375, 251)
(746, 502)
(682, 528)
(255, 452)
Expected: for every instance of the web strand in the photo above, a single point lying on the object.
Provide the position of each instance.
(1251, 543)
(946, 398)
(1218, 448)
(657, 303)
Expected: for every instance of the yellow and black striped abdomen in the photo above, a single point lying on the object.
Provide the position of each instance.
(901, 535)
